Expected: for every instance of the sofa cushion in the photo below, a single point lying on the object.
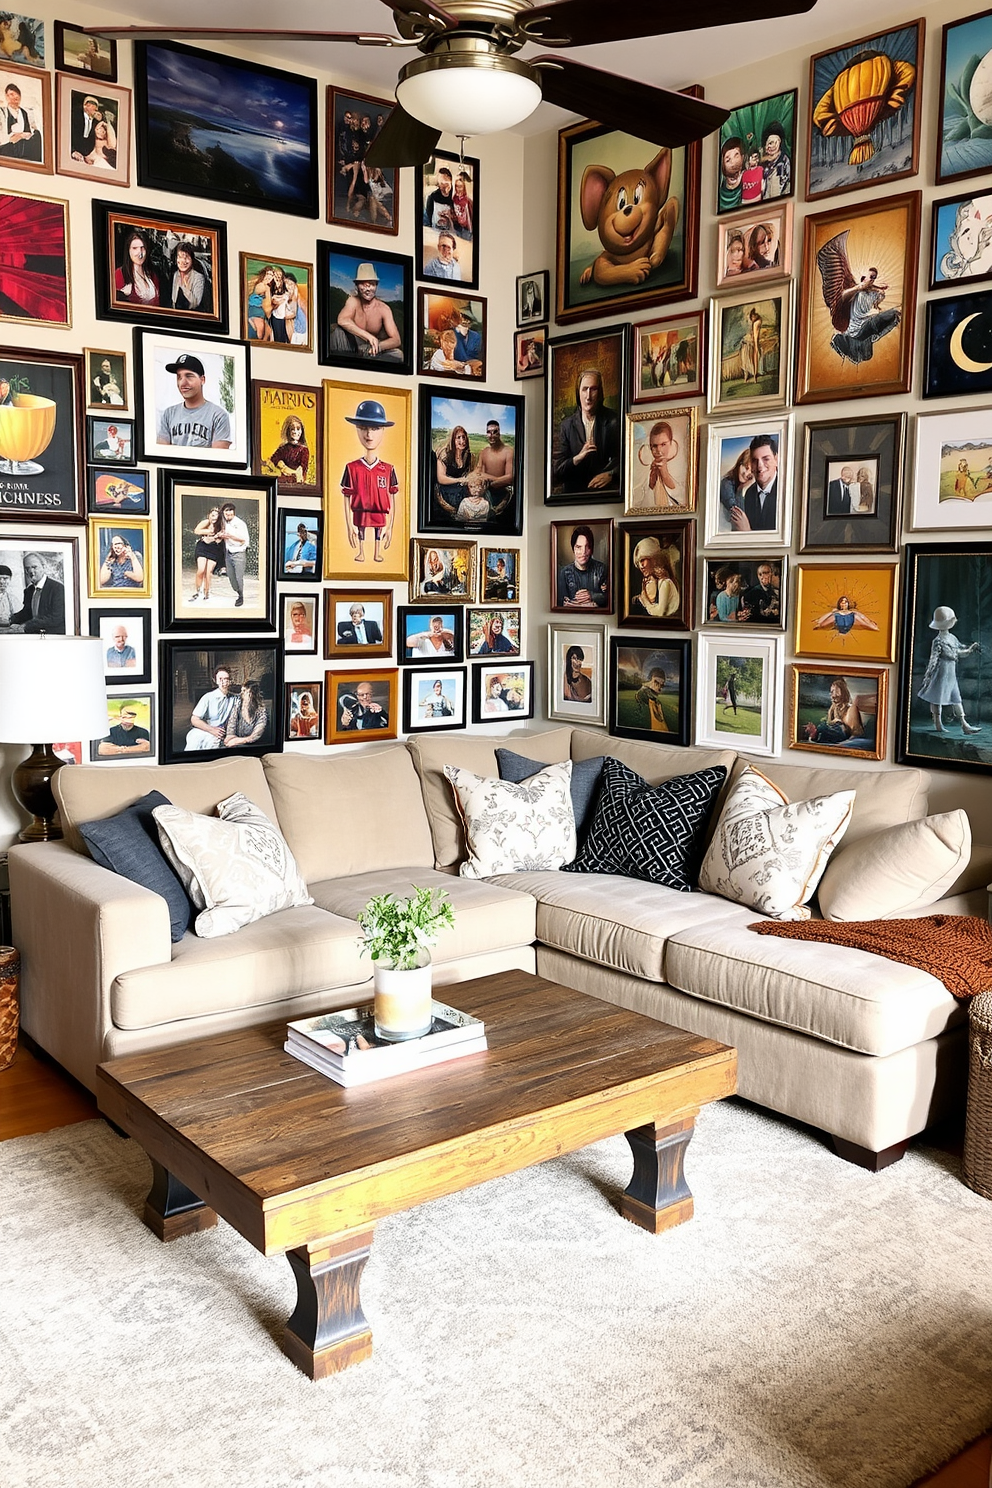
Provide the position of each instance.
(511, 828)
(128, 844)
(584, 783)
(884, 797)
(901, 870)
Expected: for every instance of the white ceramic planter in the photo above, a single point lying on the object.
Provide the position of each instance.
(402, 1001)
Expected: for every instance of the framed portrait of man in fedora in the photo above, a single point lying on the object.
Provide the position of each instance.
(365, 309)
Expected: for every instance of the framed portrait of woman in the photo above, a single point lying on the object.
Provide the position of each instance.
(656, 565)
(750, 351)
(120, 557)
(217, 536)
(754, 247)
(159, 268)
(442, 570)
(493, 631)
(846, 611)
(299, 623)
(287, 425)
(304, 711)
(587, 385)
(839, 710)
(471, 463)
(577, 672)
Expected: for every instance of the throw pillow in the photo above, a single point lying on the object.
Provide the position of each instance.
(649, 831)
(128, 844)
(586, 776)
(237, 866)
(513, 828)
(904, 868)
(769, 854)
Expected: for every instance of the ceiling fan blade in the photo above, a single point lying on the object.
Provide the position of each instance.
(402, 140)
(233, 33)
(583, 22)
(654, 114)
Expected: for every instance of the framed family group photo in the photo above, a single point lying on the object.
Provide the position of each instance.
(757, 153)
(165, 269)
(276, 302)
(471, 462)
(452, 334)
(745, 591)
(356, 192)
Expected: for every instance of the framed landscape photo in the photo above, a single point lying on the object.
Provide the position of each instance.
(366, 309)
(304, 711)
(299, 623)
(442, 569)
(656, 570)
(745, 591)
(161, 268)
(35, 287)
(217, 534)
(425, 637)
(358, 622)
(502, 692)
(529, 352)
(499, 575)
(452, 334)
(852, 484)
(958, 341)
(471, 462)
(27, 101)
(748, 478)
(367, 481)
(87, 56)
(132, 731)
(288, 435)
(756, 153)
(123, 491)
(360, 703)
(127, 643)
(964, 146)
(448, 227)
(751, 351)
(846, 610)
(668, 358)
(738, 681)
(661, 462)
(532, 298)
(754, 247)
(106, 379)
(435, 699)
(582, 565)
(119, 553)
(29, 559)
(222, 687)
(650, 687)
(93, 127)
(276, 302)
(109, 441)
(191, 393)
(577, 672)
(960, 240)
(952, 478)
(587, 379)
(837, 710)
(41, 436)
(299, 545)
(493, 631)
(358, 195)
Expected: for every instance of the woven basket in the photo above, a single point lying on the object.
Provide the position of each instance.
(978, 1127)
(10, 979)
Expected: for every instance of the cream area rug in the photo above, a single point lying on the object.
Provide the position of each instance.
(814, 1326)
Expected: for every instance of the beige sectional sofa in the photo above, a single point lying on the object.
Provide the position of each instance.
(866, 1049)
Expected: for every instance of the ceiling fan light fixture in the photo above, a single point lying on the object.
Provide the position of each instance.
(468, 92)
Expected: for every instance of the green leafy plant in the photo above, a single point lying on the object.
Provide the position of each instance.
(397, 932)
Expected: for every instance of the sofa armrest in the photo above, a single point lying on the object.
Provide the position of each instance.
(77, 927)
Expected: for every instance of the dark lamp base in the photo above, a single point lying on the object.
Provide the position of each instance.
(32, 786)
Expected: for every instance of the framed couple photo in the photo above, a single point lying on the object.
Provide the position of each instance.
(162, 268)
(217, 535)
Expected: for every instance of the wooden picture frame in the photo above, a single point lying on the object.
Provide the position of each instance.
(656, 573)
(447, 213)
(661, 462)
(41, 436)
(960, 241)
(303, 711)
(441, 315)
(435, 700)
(581, 566)
(84, 55)
(751, 350)
(846, 610)
(838, 513)
(756, 153)
(728, 451)
(286, 286)
(119, 557)
(461, 504)
(945, 497)
(57, 560)
(956, 346)
(161, 407)
(821, 720)
(193, 596)
(106, 379)
(414, 626)
(110, 441)
(361, 704)
(347, 522)
(127, 638)
(668, 358)
(533, 304)
(754, 247)
(341, 271)
(442, 572)
(963, 148)
(738, 693)
(28, 91)
(340, 623)
(530, 349)
(351, 201)
(575, 361)
(139, 259)
(287, 428)
(187, 676)
(745, 591)
(502, 691)
(300, 614)
(577, 683)
(134, 745)
(299, 545)
(103, 155)
(500, 579)
(125, 491)
(642, 705)
(490, 628)
(39, 292)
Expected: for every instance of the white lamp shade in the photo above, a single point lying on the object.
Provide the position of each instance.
(52, 687)
(468, 100)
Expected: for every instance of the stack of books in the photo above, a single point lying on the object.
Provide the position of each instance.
(346, 1047)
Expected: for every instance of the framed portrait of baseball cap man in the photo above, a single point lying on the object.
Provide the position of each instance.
(192, 397)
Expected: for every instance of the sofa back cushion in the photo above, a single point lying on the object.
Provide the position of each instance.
(350, 813)
(653, 762)
(884, 797)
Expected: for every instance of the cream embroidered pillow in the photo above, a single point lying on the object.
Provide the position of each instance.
(236, 867)
(515, 828)
(769, 854)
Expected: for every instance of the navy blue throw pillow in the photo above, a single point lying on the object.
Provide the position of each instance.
(128, 844)
(585, 781)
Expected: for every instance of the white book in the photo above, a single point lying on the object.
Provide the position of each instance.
(410, 1055)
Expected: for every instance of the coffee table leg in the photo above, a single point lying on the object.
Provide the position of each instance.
(657, 1197)
(328, 1331)
(171, 1209)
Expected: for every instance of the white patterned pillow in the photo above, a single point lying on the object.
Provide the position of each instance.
(515, 828)
(236, 867)
(769, 854)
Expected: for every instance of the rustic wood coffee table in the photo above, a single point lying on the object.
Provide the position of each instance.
(235, 1126)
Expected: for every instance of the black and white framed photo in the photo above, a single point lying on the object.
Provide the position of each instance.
(745, 591)
(127, 643)
(300, 545)
(739, 686)
(216, 535)
(39, 584)
(106, 380)
(41, 436)
(852, 484)
(131, 737)
(650, 687)
(502, 691)
(219, 697)
(358, 623)
(434, 699)
(471, 462)
(365, 309)
(109, 441)
(448, 238)
(493, 631)
(425, 637)
(158, 267)
(532, 298)
(192, 396)
(299, 623)
(304, 711)
(577, 672)
(125, 491)
(587, 385)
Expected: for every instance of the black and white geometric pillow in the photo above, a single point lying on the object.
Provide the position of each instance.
(649, 831)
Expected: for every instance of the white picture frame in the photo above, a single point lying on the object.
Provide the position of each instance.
(725, 443)
(227, 379)
(943, 441)
(591, 641)
(726, 711)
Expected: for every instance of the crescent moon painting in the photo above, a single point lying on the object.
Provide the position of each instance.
(959, 346)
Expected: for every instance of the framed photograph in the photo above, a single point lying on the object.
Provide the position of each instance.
(132, 731)
(837, 710)
(356, 195)
(471, 463)
(246, 134)
(865, 107)
(106, 379)
(127, 642)
(587, 380)
(577, 672)
(367, 482)
(532, 298)
(745, 591)
(493, 631)
(109, 441)
(656, 569)
(661, 462)
(598, 272)
(447, 570)
(434, 700)
(277, 302)
(499, 575)
(304, 711)
(366, 309)
(452, 334)
(748, 478)
(41, 436)
(738, 682)
(650, 689)
(754, 247)
(124, 491)
(502, 691)
(960, 240)
(299, 623)
(225, 689)
(39, 580)
(27, 141)
(957, 360)
(119, 553)
(424, 637)
(945, 674)
(361, 703)
(23, 40)
(757, 149)
(750, 351)
(964, 147)
(191, 394)
(34, 287)
(217, 536)
(448, 240)
(846, 610)
(287, 423)
(952, 478)
(93, 125)
(581, 565)
(852, 484)
(529, 352)
(87, 56)
(161, 268)
(358, 622)
(858, 305)
(299, 545)
(668, 358)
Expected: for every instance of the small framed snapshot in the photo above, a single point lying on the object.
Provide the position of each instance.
(751, 351)
(453, 336)
(745, 591)
(738, 684)
(358, 622)
(963, 145)
(960, 240)
(656, 567)
(582, 565)
(502, 691)
(127, 643)
(530, 349)
(119, 553)
(448, 207)
(109, 441)
(958, 339)
(106, 379)
(132, 730)
(23, 40)
(124, 491)
(359, 195)
(661, 462)
(587, 381)
(668, 358)
(366, 309)
(41, 436)
(27, 141)
(445, 569)
(424, 636)
(650, 687)
(93, 125)
(852, 484)
(217, 542)
(220, 696)
(192, 399)
(287, 424)
(952, 478)
(499, 575)
(299, 545)
(846, 610)
(276, 302)
(748, 476)
(39, 579)
(35, 286)
(837, 710)
(303, 712)
(471, 462)
(159, 267)
(87, 56)
(367, 503)
(754, 247)
(532, 298)
(493, 631)
(757, 153)
(361, 702)
(434, 699)
(299, 623)
(577, 672)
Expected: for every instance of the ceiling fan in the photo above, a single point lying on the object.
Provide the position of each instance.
(468, 79)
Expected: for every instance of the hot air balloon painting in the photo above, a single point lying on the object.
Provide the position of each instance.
(864, 124)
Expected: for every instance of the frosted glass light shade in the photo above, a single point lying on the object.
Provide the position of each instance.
(52, 687)
(468, 100)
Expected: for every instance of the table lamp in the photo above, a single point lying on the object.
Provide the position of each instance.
(51, 687)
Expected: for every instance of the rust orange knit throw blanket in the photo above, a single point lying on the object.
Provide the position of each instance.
(956, 949)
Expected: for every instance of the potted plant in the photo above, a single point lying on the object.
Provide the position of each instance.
(398, 934)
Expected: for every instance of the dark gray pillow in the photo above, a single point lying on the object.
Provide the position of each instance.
(585, 781)
(128, 844)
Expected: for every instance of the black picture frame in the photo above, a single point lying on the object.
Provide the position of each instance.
(126, 491)
(638, 656)
(512, 674)
(872, 442)
(288, 540)
(110, 751)
(101, 66)
(186, 672)
(444, 410)
(435, 217)
(569, 358)
(953, 254)
(420, 695)
(436, 313)
(53, 490)
(767, 606)
(478, 632)
(643, 596)
(185, 499)
(106, 435)
(414, 622)
(137, 623)
(371, 214)
(172, 81)
(314, 727)
(227, 364)
(338, 265)
(532, 298)
(951, 367)
(118, 224)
